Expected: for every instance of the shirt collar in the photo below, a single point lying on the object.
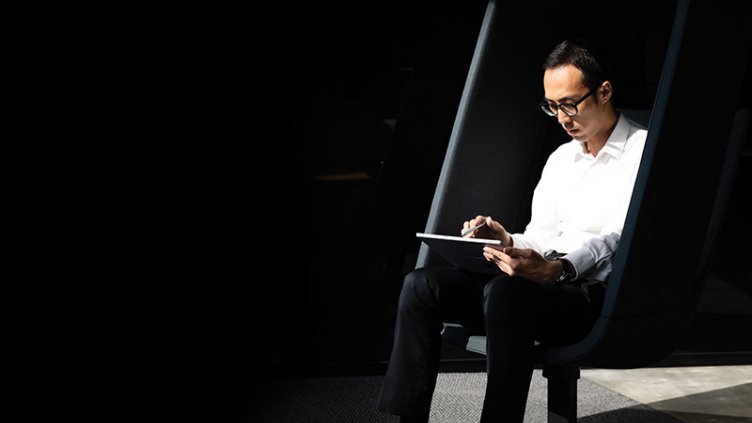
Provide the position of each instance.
(615, 144)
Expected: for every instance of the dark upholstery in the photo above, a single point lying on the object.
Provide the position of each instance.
(498, 132)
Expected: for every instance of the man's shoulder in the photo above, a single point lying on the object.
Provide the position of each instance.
(568, 149)
(636, 137)
(562, 155)
(637, 128)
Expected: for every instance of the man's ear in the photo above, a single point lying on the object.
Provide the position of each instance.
(605, 91)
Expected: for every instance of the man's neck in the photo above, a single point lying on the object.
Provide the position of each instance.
(597, 141)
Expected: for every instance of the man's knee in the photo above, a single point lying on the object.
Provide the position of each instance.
(504, 294)
(418, 288)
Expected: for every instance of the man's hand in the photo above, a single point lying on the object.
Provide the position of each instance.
(523, 262)
(491, 230)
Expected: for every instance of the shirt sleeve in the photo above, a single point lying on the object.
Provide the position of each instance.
(594, 259)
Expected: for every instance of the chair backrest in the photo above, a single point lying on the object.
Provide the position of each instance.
(497, 147)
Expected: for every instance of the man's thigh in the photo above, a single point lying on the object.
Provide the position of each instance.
(457, 294)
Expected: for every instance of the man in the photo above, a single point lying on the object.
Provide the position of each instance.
(554, 272)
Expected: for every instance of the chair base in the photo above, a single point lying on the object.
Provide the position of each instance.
(562, 393)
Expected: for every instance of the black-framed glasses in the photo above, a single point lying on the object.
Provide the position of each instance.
(569, 109)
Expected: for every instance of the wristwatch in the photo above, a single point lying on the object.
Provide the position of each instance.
(567, 272)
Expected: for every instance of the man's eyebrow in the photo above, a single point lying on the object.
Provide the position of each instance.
(568, 99)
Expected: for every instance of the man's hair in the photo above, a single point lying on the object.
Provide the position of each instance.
(584, 55)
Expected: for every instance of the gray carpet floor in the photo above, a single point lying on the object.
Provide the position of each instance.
(458, 399)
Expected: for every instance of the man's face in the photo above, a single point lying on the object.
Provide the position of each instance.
(565, 85)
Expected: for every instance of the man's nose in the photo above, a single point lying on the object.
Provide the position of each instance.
(562, 117)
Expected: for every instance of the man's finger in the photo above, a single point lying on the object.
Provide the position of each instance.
(516, 252)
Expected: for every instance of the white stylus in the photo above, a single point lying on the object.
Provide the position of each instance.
(470, 230)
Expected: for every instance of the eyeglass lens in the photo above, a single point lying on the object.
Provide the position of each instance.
(569, 109)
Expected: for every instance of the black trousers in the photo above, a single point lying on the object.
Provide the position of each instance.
(512, 311)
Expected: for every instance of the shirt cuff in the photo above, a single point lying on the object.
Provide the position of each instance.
(580, 259)
(518, 241)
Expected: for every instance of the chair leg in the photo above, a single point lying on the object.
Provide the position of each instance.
(562, 393)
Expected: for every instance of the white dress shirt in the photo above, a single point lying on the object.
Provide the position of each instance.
(581, 201)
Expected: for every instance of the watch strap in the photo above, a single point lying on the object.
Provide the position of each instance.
(567, 272)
